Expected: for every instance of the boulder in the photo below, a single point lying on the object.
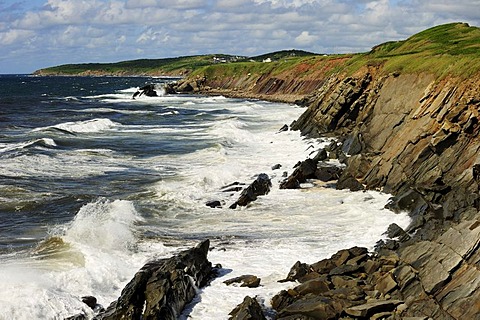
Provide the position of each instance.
(327, 172)
(248, 280)
(305, 170)
(162, 288)
(370, 308)
(249, 309)
(261, 186)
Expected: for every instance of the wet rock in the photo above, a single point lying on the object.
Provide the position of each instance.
(90, 301)
(214, 204)
(283, 128)
(249, 309)
(297, 271)
(248, 280)
(261, 186)
(305, 170)
(162, 288)
(347, 181)
(395, 231)
(276, 167)
(327, 172)
(321, 155)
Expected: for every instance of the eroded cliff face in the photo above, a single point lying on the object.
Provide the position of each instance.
(419, 140)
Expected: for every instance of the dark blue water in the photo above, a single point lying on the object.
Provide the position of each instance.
(44, 118)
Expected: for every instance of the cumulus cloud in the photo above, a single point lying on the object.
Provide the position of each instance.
(113, 30)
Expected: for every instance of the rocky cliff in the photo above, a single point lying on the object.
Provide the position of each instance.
(418, 139)
(410, 127)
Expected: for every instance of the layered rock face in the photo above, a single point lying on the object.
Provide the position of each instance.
(416, 137)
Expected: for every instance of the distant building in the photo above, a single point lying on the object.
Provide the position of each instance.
(267, 60)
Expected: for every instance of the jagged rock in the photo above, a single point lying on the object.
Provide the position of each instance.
(90, 301)
(214, 204)
(316, 307)
(326, 172)
(276, 167)
(370, 308)
(354, 144)
(259, 187)
(162, 288)
(148, 90)
(298, 271)
(305, 170)
(283, 128)
(386, 284)
(395, 231)
(321, 155)
(249, 309)
(248, 280)
(347, 181)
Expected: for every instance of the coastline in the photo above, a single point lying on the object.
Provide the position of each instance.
(435, 141)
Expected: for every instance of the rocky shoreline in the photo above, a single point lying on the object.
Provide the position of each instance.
(414, 136)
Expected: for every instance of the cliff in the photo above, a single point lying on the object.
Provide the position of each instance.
(412, 110)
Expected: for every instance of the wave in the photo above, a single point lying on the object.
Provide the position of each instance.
(93, 254)
(88, 126)
(43, 142)
(108, 110)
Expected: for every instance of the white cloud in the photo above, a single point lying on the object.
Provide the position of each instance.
(104, 29)
(15, 36)
(305, 39)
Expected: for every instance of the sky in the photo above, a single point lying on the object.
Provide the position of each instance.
(40, 33)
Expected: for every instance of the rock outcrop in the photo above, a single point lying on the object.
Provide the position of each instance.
(417, 137)
(162, 288)
(259, 187)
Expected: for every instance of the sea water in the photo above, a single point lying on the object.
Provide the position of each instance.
(93, 184)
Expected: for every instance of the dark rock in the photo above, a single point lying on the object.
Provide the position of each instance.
(395, 231)
(277, 166)
(327, 172)
(148, 90)
(314, 286)
(248, 280)
(298, 271)
(284, 128)
(354, 144)
(306, 170)
(321, 155)
(214, 204)
(233, 187)
(80, 316)
(261, 186)
(249, 309)
(90, 301)
(162, 288)
(344, 269)
(347, 181)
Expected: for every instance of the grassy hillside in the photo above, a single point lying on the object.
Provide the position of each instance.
(167, 66)
(450, 49)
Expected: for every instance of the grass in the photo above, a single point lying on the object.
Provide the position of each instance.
(450, 49)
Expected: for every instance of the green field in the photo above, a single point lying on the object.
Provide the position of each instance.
(450, 49)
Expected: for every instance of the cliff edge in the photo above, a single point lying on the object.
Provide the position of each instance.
(412, 109)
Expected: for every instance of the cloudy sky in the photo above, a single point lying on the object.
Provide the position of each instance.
(41, 33)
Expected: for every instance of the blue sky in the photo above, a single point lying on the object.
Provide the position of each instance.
(41, 33)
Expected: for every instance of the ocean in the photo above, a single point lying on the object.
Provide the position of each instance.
(93, 184)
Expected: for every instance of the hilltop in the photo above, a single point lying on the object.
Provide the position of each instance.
(179, 66)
